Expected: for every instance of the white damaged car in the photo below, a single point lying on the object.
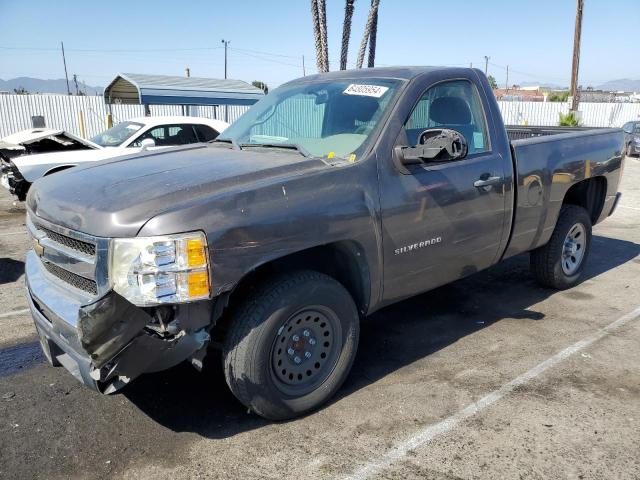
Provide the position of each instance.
(21, 163)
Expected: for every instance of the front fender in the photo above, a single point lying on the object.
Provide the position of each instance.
(32, 170)
(250, 228)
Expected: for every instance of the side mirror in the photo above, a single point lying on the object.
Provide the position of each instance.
(435, 145)
(147, 143)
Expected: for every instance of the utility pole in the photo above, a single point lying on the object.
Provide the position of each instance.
(75, 81)
(64, 61)
(576, 56)
(486, 65)
(226, 44)
(507, 84)
(304, 72)
(226, 107)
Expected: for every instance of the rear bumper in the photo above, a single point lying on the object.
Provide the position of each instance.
(103, 344)
(615, 203)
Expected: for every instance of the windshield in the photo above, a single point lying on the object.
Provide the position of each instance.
(322, 119)
(116, 136)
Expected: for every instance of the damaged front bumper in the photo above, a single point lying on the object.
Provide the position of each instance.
(107, 343)
(12, 180)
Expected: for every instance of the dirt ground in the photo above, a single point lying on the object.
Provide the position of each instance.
(489, 377)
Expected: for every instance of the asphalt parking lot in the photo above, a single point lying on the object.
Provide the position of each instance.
(489, 377)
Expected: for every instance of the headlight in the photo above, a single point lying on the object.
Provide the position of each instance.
(166, 269)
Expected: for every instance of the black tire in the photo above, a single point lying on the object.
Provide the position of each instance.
(547, 261)
(264, 324)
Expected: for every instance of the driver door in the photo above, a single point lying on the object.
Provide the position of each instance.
(442, 220)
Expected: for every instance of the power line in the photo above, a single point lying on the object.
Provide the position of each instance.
(532, 75)
(266, 53)
(265, 58)
(113, 50)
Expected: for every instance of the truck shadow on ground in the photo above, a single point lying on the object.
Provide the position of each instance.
(183, 400)
(10, 270)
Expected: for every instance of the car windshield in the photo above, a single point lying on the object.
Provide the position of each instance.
(321, 119)
(116, 136)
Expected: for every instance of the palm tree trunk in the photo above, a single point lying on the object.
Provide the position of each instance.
(373, 14)
(346, 33)
(322, 13)
(372, 35)
(316, 34)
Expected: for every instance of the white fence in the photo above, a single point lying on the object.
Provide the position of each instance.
(548, 113)
(62, 111)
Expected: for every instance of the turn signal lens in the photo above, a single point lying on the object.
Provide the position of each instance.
(198, 284)
(195, 253)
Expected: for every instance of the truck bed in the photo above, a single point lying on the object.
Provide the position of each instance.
(548, 161)
(520, 132)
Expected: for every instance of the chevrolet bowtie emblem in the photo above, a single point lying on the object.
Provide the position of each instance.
(39, 249)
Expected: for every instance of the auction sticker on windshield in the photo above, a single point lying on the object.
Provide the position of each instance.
(365, 90)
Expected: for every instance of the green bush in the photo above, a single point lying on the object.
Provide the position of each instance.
(568, 120)
(558, 96)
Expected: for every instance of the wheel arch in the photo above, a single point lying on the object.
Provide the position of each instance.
(344, 260)
(589, 194)
(58, 168)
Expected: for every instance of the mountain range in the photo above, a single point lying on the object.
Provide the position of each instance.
(622, 84)
(38, 85)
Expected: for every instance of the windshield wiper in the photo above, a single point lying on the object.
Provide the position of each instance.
(230, 141)
(288, 146)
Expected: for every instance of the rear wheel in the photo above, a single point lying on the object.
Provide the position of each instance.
(559, 263)
(291, 345)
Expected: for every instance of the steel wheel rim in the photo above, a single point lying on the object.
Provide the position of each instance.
(573, 249)
(305, 350)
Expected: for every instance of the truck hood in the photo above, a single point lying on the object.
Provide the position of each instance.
(115, 198)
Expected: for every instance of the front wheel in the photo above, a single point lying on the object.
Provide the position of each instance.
(560, 262)
(291, 344)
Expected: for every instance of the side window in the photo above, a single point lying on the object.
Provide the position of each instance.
(169, 135)
(455, 105)
(205, 133)
(180, 135)
(157, 134)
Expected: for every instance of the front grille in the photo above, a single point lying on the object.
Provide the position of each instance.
(72, 279)
(72, 243)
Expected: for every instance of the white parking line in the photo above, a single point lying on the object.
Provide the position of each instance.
(630, 208)
(24, 232)
(14, 313)
(429, 433)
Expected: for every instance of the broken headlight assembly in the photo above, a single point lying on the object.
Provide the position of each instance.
(151, 271)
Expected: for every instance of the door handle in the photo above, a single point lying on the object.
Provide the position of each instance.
(487, 182)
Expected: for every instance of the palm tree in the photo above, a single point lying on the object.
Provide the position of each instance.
(373, 35)
(322, 13)
(319, 19)
(369, 36)
(346, 33)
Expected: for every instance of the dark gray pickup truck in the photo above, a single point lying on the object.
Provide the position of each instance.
(335, 195)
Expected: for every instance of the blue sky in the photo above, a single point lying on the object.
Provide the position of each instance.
(268, 38)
